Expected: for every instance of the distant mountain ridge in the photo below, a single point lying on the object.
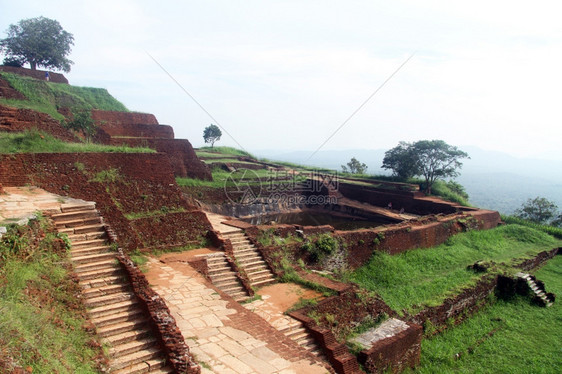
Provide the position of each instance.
(493, 180)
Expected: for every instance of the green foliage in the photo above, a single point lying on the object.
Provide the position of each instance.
(40, 42)
(211, 134)
(538, 210)
(505, 337)
(420, 277)
(34, 141)
(47, 97)
(451, 191)
(432, 159)
(82, 122)
(110, 175)
(227, 151)
(323, 246)
(354, 167)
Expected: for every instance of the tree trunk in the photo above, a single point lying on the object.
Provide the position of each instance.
(33, 65)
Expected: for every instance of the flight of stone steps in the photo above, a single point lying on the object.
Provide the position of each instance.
(112, 306)
(224, 278)
(296, 331)
(249, 259)
(536, 290)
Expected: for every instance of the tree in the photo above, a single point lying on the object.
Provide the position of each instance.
(539, 210)
(354, 167)
(212, 134)
(40, 42)
(82, 122)
(432, 159)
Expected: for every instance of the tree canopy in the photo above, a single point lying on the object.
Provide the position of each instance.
(211, 134)
(40, 42)
(539, 210)
(432, 159)
(354, 167)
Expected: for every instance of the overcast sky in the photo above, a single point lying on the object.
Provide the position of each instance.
(284, 75)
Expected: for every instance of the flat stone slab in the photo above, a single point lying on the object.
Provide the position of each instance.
(387, 329)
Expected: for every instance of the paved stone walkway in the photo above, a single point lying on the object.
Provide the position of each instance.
(225, 337)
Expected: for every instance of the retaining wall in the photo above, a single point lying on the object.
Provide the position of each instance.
(137, 130)
(115, 118)
(37, 74)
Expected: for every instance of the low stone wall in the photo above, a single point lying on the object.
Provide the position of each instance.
(162, 320)
(114, 118)
(539, 259)
(37, 74)
(394, 354)
(18, 120)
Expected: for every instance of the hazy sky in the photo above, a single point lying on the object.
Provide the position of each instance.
(283, 75)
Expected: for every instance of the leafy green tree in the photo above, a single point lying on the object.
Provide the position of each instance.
(40, 42)
(211, 134)
(432, 159)
(354, 167)
(82, 122)
(539, 210)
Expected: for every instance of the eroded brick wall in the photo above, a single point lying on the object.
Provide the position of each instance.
(137, 130)
(108, 117)
(37, 74)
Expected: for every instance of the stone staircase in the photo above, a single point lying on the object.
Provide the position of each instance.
(112, 306)
(224, 278)
(296, 331)
(536, 290)
(249, 259)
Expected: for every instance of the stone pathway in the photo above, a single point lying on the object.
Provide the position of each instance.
(225, 337)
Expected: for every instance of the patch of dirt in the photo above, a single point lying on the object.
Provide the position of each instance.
(282, 296)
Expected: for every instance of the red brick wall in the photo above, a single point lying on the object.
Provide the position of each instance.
(118, 118)
(396, 353)
(146, 183)
(18, 120)
(37, 74)
(137, 130)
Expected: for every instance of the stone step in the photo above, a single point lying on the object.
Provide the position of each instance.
(227, 282)
(292, 327)
(297, 331)
(114, 318)
(121, 327)
(133, 346)
(131, 359)
(73, 207)
(84, 229)
(258, 273)
(82, 244)
(255, 267)
(245, 256)
(232, 289)
(218, 270)
(247, 263)
(105, 281)
(222, 276)
(102, 264)
(122, 338)
(216, 260)
(155, 366)
(105, 290)
(108, 299)
(93, 257)
(246, 249)
(100, 273)
(78, 238)
(239, 295)
(78, 222)
(114, 308)
(90, 251)
(264, 282)
(76, 215)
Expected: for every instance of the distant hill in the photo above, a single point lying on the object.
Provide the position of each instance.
(493, 180)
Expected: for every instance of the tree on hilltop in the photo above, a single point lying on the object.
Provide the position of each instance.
(211, 134)
(539, 210)
(354, 167)
(39, 42)
(432, 159)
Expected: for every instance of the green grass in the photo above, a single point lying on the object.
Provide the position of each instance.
(33, 141)
(552, 230)
(220, 177)
(154, 213)
(226, 151)
(41, 322)
(47, 97)
(425, 277)
(525, 338)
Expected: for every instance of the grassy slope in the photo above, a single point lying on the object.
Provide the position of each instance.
(428, 276)
(46, 97)
(527, 339)
(41, 322)
(38, 142)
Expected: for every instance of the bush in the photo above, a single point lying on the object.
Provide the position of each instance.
(324, 245)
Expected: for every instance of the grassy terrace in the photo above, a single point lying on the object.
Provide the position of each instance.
(38, 142)
(416, 278)
(46, 97)
(505, 337)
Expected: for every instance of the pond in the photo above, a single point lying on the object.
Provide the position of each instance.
(312, 218)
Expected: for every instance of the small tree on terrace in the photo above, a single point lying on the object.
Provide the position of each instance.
(431, 159)
(40, 42)
(212, 134)
(539, 210)
(354, 167)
